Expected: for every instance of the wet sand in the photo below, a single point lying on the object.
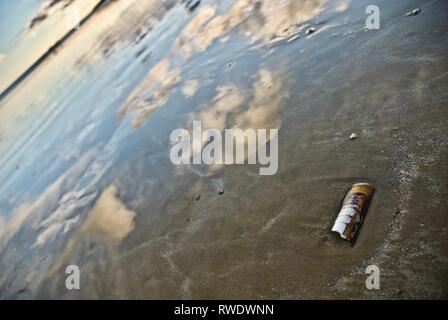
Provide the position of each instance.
(173, 234)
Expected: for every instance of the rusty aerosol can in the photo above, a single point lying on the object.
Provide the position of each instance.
(353, 210)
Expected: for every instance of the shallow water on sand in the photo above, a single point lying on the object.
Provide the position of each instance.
(87, 179)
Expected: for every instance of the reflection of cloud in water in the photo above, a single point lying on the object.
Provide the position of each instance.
(256, 19)
(263, 111)
(263, 108)
(279, 15)
(342, 5)
(108, 221)
(65, 216)
(198, 34)
(257, 107)
(189, 88)
(124, 23)
(227, 99)
(109, 218)
(260, 20)
(47, 200)
(152, 93)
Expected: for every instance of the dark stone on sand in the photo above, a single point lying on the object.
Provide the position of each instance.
(191, 5)
(310, 31)
(414, 12)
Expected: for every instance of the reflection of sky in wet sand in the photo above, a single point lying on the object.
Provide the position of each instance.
(84, 143)
(258, 21)
(109, 218)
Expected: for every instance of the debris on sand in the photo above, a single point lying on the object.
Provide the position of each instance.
(218, 184)
(191, 5)
(414, 12)
(140, 52)
(354, 208)
(353, 136)
(310, 31)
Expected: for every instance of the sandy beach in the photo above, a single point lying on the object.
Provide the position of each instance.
(87, 179)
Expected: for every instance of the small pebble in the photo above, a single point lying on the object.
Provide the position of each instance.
(310, 31)
(353, 136)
